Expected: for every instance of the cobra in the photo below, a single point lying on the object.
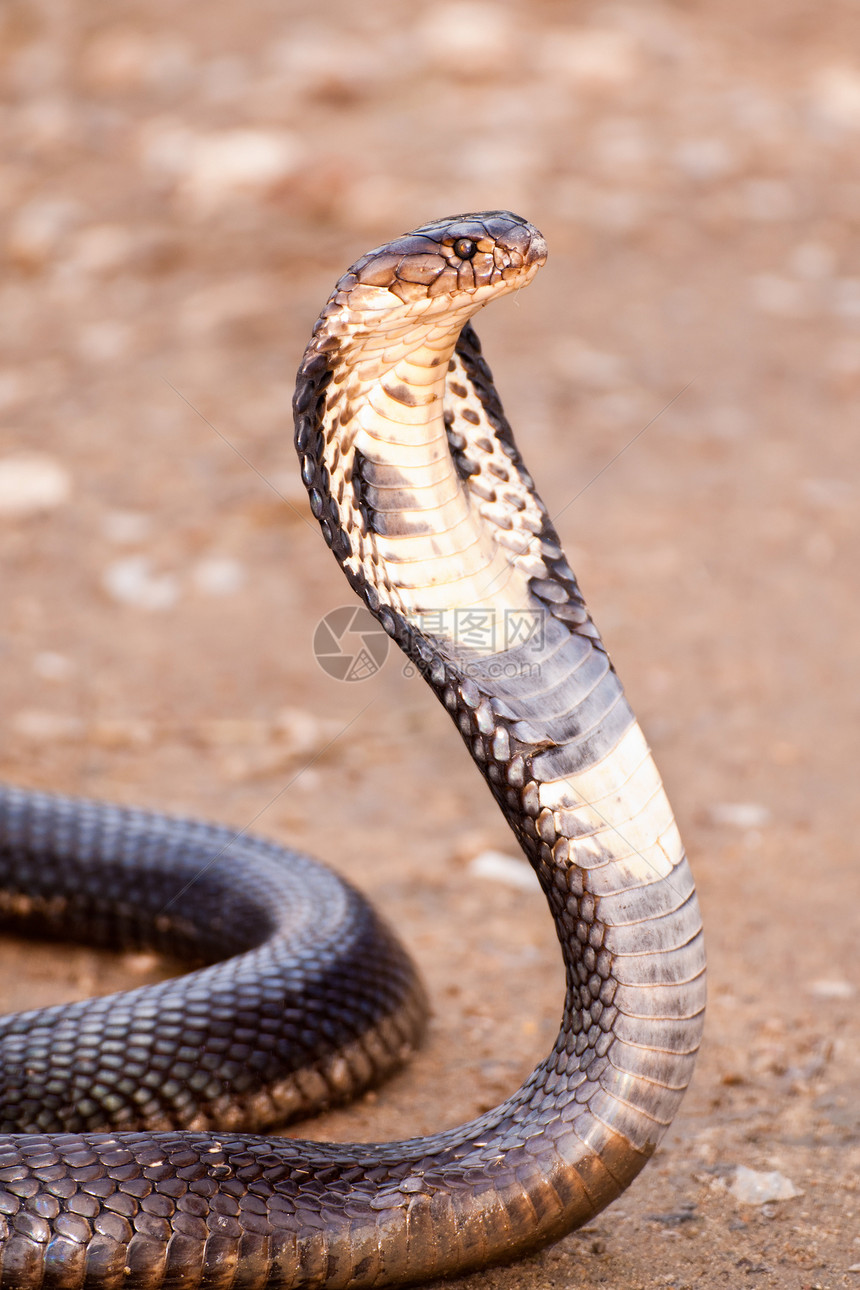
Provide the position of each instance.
(422, 496)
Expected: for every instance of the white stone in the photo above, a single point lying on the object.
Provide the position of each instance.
(37, 229)
(219, 575)
(753, 1187)
(597, 56)
(834, 988)
(706, 159)
(239, 161)
(739, 815)
(773, 294)
(836, 96)
(466, 36)
(31, 482)
(830, 493)
(47, 727)
(210, 169)
(846, 298)
(165, 146)
(126, 528)
(312, 59)
(102, 342)
(132, 581)
(100, 248)
(303, 732)
(813, 261)
(48, 123)
(498, 867)
(117, 58)
(13, 388)
(123, 58)
(51, 666)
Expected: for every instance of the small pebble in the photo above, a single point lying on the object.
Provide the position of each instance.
(706, 159)
(754, 1187)
(47, 727)
(121, 732)
(126, 528)
(502, 868)
(846, 298)
(119, 59)
(813, 261)
(774, 294)
(51, 666)
(832, 989)
(37, 230)
(31, 482)
(317, 60)
(142, 963)
(468, 37)
(13, 388)
(105, 341)
(100, 248)
(739, 815)
(303, 732)
(836, 97)
(591, 58)
(218, 576)
(132, 581)
(212, 168)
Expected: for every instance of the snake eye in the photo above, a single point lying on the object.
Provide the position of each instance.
(465, 248)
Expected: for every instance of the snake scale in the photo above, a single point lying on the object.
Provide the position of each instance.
(127, 1157)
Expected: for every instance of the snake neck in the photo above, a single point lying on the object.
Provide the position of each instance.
(408, 524)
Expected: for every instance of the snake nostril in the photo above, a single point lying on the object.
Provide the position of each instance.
(536, 252)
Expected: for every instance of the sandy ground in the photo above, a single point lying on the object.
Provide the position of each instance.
(694, 169)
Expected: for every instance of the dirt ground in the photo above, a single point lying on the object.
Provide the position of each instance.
(181, 185)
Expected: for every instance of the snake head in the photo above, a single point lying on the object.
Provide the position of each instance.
(457, 263)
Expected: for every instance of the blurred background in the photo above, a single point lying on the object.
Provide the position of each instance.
(180, 186)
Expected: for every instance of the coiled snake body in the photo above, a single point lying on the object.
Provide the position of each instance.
(421, 494)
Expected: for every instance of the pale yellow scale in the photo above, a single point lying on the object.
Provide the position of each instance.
(455, 562)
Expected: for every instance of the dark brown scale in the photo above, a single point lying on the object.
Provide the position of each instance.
(401, 394)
